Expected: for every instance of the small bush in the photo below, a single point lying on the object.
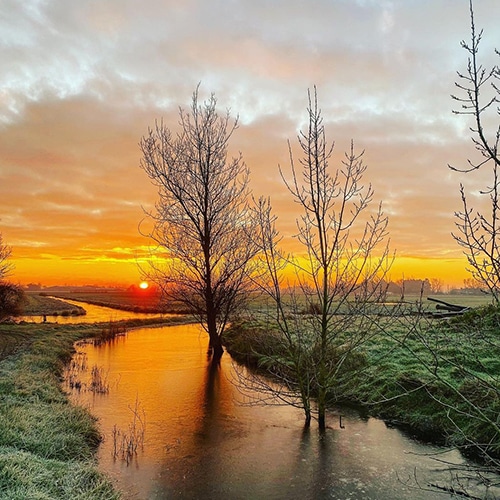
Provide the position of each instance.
(12, 299)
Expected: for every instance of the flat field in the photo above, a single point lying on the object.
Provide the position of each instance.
(134, 299)
(38, 305)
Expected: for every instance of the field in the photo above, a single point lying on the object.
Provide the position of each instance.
(132, 299)
(39, 305)
(47, 446)
(472, 301)
(150, 301)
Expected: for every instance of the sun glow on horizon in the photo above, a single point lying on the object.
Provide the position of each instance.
(63, 271)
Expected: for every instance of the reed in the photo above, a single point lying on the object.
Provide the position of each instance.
(98, 380)
(127, 443)
(109, 333)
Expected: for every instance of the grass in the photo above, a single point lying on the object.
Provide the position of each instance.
(441, 378)
(135, 300)
(40, 305)
(24, 476)
(47, 445)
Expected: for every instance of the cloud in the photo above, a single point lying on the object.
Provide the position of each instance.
(81, 82)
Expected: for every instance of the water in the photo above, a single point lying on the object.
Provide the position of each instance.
(202, 441)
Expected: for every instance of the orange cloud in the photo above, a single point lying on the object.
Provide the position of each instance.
(81, 84)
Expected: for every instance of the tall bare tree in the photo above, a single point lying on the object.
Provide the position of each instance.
(11, 296)
(5, 265)
(201, 216)
(456, 353)
(338, 276)
(478, 232)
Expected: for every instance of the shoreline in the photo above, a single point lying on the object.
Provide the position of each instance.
(393, 388)
(48, 445)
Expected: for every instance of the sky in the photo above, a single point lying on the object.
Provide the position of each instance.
(81, 82)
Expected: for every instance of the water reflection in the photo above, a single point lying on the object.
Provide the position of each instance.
(201, 442)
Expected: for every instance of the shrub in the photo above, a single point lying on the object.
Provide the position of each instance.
(12, 299)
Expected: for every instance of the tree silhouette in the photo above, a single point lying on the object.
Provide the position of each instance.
(324, 320)
(5, 265)
(479, 232)
(201, 216)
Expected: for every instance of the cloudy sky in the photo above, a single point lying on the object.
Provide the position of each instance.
(80, 82)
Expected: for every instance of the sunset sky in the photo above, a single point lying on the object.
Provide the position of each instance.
(80, 82)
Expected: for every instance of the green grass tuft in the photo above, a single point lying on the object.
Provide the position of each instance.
(26, 476)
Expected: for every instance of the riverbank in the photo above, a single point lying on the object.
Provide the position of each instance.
(47, 445)
(41, 305)
(440, 381)
(135, 300)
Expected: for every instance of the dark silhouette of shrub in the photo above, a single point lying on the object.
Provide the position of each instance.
(12, 299)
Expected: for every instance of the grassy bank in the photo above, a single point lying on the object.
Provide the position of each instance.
(134, 300)
(47, 446)
(440, 379)
(39, 305)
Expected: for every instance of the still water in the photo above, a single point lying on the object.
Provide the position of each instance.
(201, 441)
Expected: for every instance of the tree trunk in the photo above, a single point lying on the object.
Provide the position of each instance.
(322, 409)
(306, 404)
(307, 422)
(215, 342)
(215, 346)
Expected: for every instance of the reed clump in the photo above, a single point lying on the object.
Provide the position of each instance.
(98, 380)
(109, 333)
(127, 443)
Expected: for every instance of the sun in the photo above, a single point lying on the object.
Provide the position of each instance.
(144, 285)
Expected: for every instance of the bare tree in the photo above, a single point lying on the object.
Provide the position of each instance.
(11, 296)
(478, 232)
(201, 216)
(436, 285)
(324, 320)
(456, 353)
(5, 265)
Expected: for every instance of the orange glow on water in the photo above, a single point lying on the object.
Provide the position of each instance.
(203, 434)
